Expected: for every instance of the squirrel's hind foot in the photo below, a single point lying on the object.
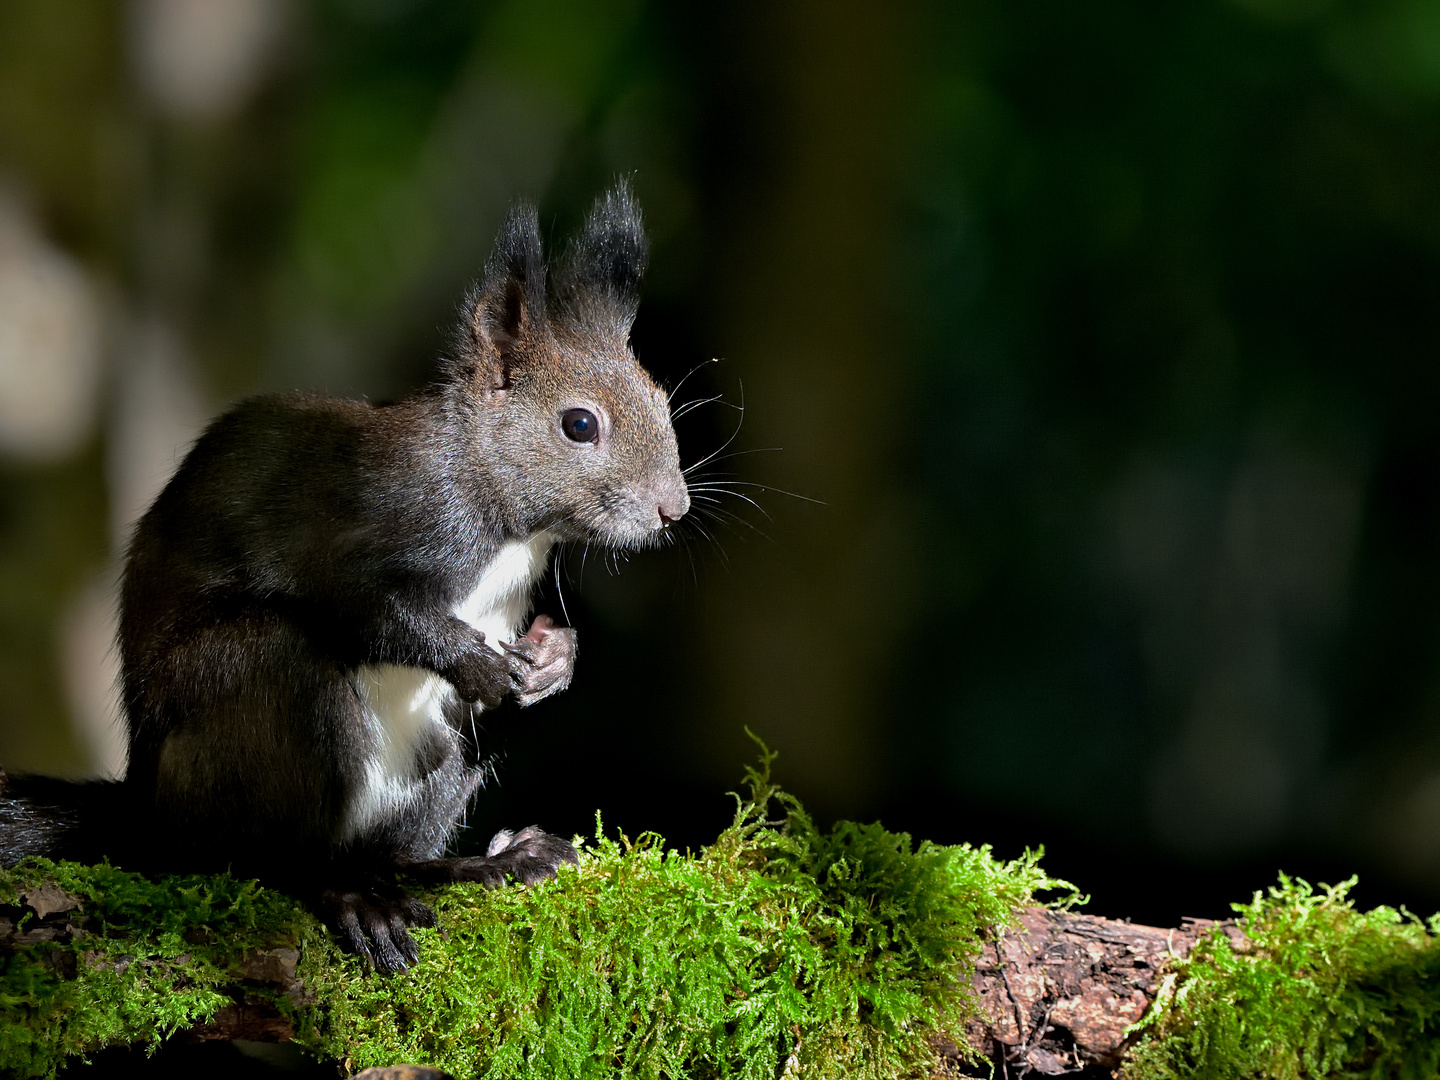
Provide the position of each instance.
(376, 924)
(526, 857)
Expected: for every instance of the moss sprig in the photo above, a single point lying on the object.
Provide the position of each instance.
(839, 953)
(149, 958)
(1315, 989)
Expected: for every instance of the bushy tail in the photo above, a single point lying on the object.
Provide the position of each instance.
(58, 819)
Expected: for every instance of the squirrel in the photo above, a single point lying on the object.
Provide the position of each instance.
(327, 590)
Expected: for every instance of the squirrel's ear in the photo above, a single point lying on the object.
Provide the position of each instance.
(599, 279)
(507, 309)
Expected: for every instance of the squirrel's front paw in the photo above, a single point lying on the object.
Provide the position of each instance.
(481, 675)
(542, 662)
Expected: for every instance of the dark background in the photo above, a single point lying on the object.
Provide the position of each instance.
(1103, 336)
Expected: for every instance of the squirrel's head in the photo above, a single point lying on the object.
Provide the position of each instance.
(577, 434)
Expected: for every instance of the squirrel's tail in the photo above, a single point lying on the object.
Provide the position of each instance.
(58, 819)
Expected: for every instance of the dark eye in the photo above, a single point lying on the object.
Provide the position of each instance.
(580, 425)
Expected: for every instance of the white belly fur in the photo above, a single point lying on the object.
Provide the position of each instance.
(402, 704)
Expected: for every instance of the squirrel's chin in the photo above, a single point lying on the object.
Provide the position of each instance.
(626, 536)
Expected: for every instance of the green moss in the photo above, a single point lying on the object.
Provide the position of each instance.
(838, 951)
(841, 950)
(780, 949)
(1319, 990)
(151, 959)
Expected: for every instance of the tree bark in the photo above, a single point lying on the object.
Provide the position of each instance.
(1058, 991)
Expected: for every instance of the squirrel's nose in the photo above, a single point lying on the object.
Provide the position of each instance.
(673, 505)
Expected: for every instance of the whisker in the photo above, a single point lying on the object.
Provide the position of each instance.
(559, 592)
(692, 405)
(726, 445)
(707, 535)
(697, 367)
(726, 512)
(765, 487)
(729, 520)
(735, 454)
(752, 502)
(717, 506)
(689, 555)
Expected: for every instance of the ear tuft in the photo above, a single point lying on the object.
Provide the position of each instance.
(506, 308)
(517, 258)
(598, 284)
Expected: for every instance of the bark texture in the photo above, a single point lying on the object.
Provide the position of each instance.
(1058, 992)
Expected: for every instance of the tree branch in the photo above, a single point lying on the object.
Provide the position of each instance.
(1057, 992)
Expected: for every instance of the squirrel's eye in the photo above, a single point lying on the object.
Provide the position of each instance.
(580, 425)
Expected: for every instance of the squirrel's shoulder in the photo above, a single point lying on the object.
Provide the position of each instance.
(303, 406)
(300, 419)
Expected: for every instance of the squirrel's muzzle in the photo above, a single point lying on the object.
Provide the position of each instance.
(672, 503)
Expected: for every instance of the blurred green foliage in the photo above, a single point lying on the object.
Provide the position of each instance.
(1106, 332)
(1175, 276)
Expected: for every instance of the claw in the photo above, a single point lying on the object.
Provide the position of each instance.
(376, 925)
(541, 662)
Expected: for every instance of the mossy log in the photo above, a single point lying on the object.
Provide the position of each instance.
(779, 950)
(1056, 992)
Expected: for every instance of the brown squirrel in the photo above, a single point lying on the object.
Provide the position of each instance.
(326, 589)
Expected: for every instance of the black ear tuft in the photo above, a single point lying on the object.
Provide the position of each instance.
(508, 306)
(517, 258)
(599, 280)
